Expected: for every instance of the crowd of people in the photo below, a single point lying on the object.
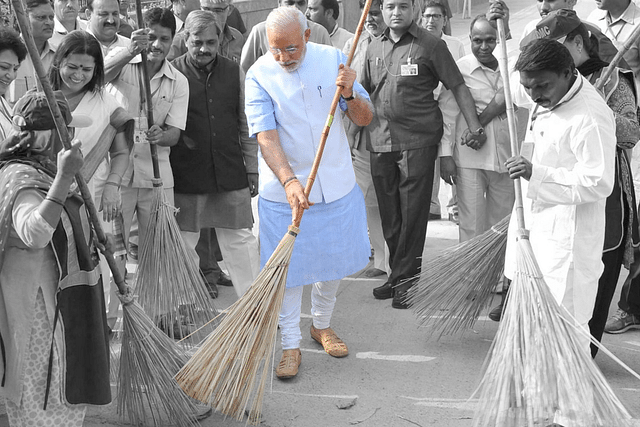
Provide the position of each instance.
(239, 114)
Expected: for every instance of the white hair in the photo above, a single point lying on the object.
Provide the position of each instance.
(283, 16)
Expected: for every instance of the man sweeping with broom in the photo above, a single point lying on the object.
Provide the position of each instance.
(288, 95)
(567, 162)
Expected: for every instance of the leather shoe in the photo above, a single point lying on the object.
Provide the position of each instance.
(289, 364)
(399, 299)
(383, 292)
(224, 280)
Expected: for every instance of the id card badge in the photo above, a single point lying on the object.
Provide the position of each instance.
(140, 130)
(407, 70)
(528, 146)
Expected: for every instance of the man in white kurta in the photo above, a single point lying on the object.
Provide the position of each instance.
(571, 135)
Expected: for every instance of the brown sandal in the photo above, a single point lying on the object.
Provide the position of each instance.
(289, 363)
(330, 341)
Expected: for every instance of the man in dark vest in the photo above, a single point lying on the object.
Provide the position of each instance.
(215, 163)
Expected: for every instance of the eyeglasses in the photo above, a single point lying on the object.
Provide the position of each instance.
(42, 18)
(216, 9)
(290, 50)
(434, 16)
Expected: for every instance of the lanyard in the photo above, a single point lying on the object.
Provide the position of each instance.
(408, 58)
(143, 94)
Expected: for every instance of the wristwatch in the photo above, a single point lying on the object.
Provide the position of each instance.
(351, 98)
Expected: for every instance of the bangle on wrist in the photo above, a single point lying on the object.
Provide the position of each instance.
(54, 200)
(288, 180)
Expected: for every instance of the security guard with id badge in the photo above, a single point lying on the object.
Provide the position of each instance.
(402, 69)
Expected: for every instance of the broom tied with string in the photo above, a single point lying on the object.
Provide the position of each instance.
(145, 345)
(455, 287)
(224, 371)
(538, 368)
(169, 284)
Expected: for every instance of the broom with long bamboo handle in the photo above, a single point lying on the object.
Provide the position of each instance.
(224, 371)
(538, 371)
(151, 351)
(169, 286)
(168, 282)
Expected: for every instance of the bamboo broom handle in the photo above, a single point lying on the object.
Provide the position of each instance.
(513, 134)
(61, 126)
(146, 81)
(329, 122)
(633, 38)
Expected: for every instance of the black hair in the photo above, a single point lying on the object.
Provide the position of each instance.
(90, 4)
(589, 41)
(333, 6)
(433, 3)
(78, 42)
(545, 55)
(10, 40)
(160, 16)
(481, 17)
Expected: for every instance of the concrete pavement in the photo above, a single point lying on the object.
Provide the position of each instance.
(395, 374)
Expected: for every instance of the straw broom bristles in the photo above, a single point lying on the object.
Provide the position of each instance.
(223, 372)
(537, 367)
(454, 287)
(147, 352)
(168, 282)
(149, 360)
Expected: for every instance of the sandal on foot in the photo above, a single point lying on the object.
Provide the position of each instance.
(289, 363)
(330, 341)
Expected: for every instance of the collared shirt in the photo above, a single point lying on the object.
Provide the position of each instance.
(230, 45)
(26, 77)
(59, 31)
(296, 104)
(119, 41)
(454, 45)
(483, 83)
(179, 24)
(170, 93)
(339, 36)
(257, 43)
(619, 31)
(406, 114)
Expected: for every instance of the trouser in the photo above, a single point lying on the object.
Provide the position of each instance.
(362, 169)
(323, 299)
(630, 295)
(403, 181)
(138, 202)
(208, 250)
(484, 199)
(435, 191)
(607, 283)
(239, 248)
